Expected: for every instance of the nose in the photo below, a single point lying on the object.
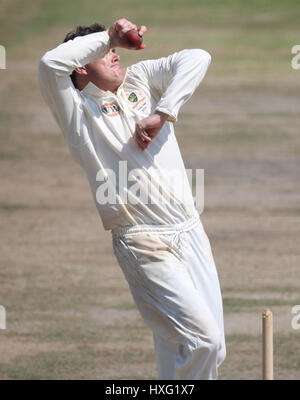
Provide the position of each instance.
(114, 56)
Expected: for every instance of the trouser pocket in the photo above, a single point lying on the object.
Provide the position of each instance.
(147, 247)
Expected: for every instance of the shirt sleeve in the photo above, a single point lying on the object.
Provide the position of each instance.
(174, 79)
(64, 100)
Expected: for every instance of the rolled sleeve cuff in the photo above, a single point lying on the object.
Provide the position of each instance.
(171, 116)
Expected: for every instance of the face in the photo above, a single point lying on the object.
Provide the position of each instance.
(106, 73)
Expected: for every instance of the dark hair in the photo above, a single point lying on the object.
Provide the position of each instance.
(82, 31)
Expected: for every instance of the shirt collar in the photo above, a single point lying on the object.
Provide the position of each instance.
(93, 90)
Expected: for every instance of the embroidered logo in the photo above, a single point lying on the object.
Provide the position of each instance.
(110, 109)
(133, 97)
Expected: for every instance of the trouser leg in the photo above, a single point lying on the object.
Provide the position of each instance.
(204, 275)
(165, 352)
(171, 296)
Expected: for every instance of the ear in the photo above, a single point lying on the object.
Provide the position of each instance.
(81, 70)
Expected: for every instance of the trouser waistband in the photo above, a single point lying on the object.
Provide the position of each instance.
(174, 228)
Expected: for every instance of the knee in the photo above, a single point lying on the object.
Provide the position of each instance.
(207, 337)
(214, 341)
(206, 352)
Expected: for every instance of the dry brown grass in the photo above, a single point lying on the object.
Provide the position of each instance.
(69, 311)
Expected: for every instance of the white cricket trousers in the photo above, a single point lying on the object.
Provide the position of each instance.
(173, 280)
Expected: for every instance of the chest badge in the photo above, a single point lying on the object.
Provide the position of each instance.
(138, 103)
(110, 109)
(133, 97)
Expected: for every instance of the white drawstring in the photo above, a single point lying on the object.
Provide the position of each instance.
(176, 238)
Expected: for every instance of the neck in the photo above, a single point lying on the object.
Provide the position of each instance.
(105, 86)
(112, 85)
(81, 82)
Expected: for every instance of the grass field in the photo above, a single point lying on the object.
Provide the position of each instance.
(69, 311)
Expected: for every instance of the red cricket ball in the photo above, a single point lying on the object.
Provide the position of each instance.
(133, 39)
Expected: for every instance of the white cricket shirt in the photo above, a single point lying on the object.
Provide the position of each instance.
(129, 186)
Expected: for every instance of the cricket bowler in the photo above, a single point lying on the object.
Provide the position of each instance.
(119, 125)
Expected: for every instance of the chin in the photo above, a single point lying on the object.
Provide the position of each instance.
(120, 75)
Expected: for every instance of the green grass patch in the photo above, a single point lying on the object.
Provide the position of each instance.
(234, 136)
(4, 116)
(262, 289)
(10, 207)
(9, 156)
(286, 352)
(14, 207)
(78, 328)
(242, 338)
(126, 305)
(240, 304)
(289, 211)
(21, 19)
(81, 363)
